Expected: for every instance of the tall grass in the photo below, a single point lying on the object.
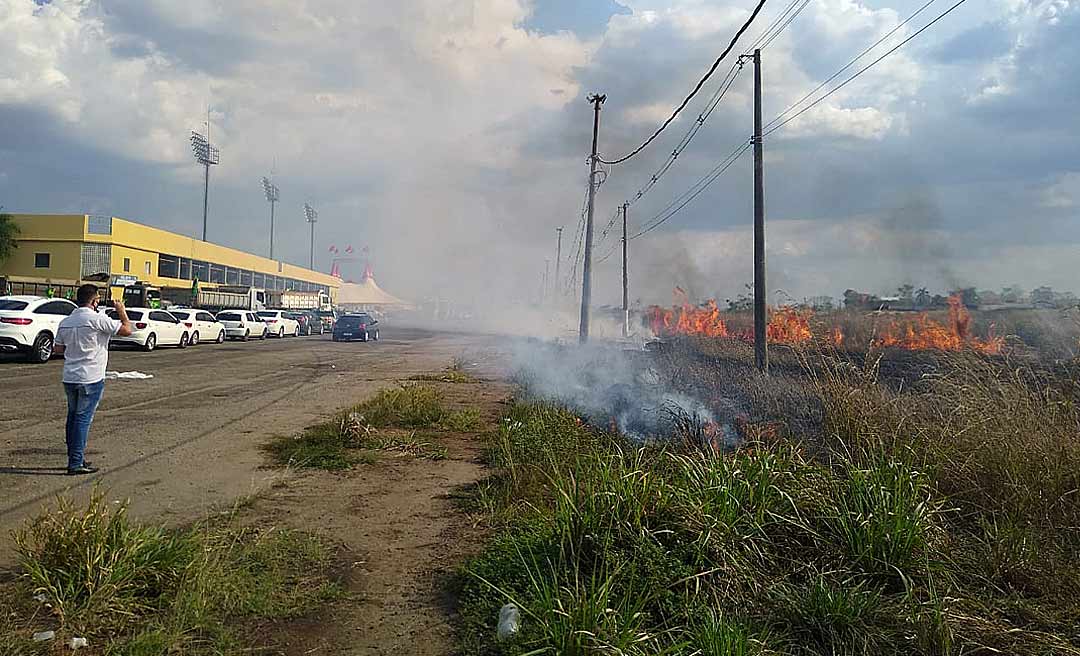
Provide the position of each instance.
(938, 519)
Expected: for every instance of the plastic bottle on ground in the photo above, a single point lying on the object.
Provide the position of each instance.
(509, 621)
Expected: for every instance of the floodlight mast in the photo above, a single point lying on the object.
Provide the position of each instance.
(272, 195)
(312, 217)
(208, 155)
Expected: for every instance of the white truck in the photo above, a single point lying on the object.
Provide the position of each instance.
(293, 300)
(225, 298)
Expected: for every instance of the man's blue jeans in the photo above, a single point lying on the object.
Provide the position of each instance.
(83, 399)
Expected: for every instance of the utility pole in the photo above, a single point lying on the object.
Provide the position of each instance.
(761, 347)
(558, 260)
(625, 285)
(586, 272)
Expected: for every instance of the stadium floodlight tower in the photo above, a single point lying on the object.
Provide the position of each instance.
(312, 216)
(272, 194)
(208, 155)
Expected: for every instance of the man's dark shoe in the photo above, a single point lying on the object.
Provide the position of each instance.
(84, 469)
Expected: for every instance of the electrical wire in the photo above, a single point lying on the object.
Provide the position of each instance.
(850, 63)
(784, 26)
(697, 87)
(715, 100)
(692, 193)
(862, 70)
(772, 25)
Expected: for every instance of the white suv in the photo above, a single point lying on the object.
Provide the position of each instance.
(280, 323)
(28, 324)
(242, 324)
(203, 326)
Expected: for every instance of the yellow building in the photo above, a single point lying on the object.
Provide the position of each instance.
(68, 249)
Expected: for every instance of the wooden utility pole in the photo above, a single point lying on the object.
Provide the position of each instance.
(558, 261)
(625, 285)
(761, 347)
(586, 272)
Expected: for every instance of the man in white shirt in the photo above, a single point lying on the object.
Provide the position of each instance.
(83, 339)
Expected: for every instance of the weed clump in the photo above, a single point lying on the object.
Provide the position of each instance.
(132, 588)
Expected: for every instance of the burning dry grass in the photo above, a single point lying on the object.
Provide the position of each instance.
(938, 517)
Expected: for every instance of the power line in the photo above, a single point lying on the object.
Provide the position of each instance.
(697, 87)
(714, 101)
(850, 63)
(693, 192)
(772, 25)
(784, 26)
(863, 69)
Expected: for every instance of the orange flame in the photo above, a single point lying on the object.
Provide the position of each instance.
(925, 333)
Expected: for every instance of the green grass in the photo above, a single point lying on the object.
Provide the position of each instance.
(352, 435)
(135, 589)
(413, 406)
(467, 420)
(905, 533)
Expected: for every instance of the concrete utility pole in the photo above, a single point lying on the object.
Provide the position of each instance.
(586, 272)
(544, 287)
(761, 347)
(625, 285)
(558, 261)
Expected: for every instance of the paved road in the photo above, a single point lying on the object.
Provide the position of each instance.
(188, 439)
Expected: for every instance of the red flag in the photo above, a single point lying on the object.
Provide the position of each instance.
(348, 249)
(332, 249)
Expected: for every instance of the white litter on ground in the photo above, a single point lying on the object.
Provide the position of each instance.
(42, 636)
(127, 375)
(76, 643)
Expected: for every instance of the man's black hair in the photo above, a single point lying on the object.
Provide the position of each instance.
(86, 294)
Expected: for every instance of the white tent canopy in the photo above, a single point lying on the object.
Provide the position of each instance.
(367, 294)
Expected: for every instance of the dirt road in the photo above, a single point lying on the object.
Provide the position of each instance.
(189, 439)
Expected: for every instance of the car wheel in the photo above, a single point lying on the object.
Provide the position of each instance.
(364, 337)
(281, 333)
(376, 334)
(265, 333)
(296, 333)
(221, 337)
(184, 339)
(194, 338)
(151, 342)
(247, 335)
(42, 349)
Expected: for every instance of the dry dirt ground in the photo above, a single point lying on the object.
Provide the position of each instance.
(403, 534)
(188, 443)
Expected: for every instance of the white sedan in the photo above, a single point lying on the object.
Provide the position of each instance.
(152, 328)
(203, 326)
(280, 324)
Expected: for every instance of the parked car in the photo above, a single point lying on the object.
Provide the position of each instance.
(359, 326)
(242, 324)
(28, 324)
(310, 323)
(204, 326)
(152, 328)
(328, 317)
(280, 323)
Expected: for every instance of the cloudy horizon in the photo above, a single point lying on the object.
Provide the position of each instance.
(451, 137)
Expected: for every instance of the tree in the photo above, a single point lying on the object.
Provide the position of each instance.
(905, 292)
(922, 297)
(8, 232)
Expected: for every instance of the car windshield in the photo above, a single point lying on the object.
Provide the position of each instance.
(268, 315)
(11, 304)
(134, 315)
(228, 316)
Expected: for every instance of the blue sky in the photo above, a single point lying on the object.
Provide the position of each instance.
(451, 137)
